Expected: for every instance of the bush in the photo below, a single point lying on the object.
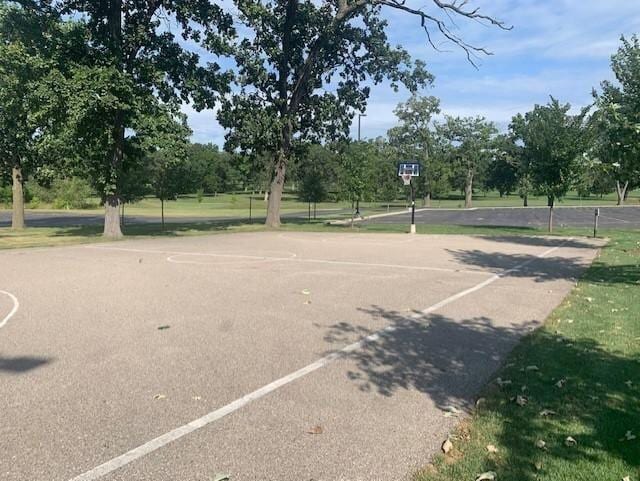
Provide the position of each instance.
(5, 195)
(71, 193)
(200, 195)
(37, 193)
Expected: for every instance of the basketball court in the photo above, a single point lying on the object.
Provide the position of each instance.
(264, 356)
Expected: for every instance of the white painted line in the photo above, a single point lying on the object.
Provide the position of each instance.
(164, 439)
(16, 306)
(172, 255)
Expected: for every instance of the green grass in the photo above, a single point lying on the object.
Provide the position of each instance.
(593, 342)
(237, 205)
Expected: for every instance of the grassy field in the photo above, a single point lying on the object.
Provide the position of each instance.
(237, 205)
(583, 368)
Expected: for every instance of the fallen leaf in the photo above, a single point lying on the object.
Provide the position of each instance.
(628, 436)
(491, 448)
(159, 396)
(162, 328)
(447, 446)
(521, 400)
(547, 412)
(540, 444)
(315, 430)
(561, 383)
(451, 411)
(570, 442)
(221, 477)
(488, 476)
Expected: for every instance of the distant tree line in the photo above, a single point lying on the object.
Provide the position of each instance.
(91, 96)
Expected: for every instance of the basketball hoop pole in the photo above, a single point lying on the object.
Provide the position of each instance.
(413, 208)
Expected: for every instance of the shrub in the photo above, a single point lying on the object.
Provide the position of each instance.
(5, 195)
(71, 193)
(200, 195)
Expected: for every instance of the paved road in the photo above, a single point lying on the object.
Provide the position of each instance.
(610, 217)
(114, 345)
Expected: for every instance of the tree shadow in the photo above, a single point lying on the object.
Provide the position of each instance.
(544, 241)
(446, 359)
(596, 405)
(451, 361)
(549, 268)
(22, 364)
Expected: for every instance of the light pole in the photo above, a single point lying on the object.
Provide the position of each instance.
(358, 200)
(359, 117)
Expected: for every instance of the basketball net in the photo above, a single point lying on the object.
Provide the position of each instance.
(406, 178)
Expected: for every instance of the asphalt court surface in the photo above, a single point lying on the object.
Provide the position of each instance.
(267, 356)
(627, 217)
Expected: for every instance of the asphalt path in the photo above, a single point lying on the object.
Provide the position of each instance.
(264, 356)
(627, 217)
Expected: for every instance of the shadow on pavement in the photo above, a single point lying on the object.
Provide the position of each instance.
(448, 360)
(21, 364)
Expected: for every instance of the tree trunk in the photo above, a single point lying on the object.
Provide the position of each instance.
(275, 193)
(621, 191)
(112, 228)
(17, 213)
(162, 212)
(525, 200)
(427, 200)
(309, 213)
(468, 190)
(550, 202)
(266, 196)
(315, 205)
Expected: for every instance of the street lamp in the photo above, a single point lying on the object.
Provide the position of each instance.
(359, 117)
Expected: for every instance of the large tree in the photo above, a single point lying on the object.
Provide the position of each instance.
(470, 145)
(617, 119)
(415, 139)
(303, 69)
(36, 56)
(554, 144)
(137, 57)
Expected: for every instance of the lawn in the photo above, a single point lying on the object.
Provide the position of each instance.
(582, 369)
(237, 205)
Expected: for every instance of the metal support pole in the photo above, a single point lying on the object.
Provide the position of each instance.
(595, 222)
(413, 208)
(250, 206)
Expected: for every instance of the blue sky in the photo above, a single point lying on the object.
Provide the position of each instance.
(556, 47)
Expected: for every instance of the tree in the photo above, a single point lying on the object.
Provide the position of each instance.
(354, 177)
(414, 139)
(470, 148)
(617, 119)
(166, 135)
(502, 171)
(33, 73)
(136, 57)
(312, 189)
(302, 69)
(554, 144)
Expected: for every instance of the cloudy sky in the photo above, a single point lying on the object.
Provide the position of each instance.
(556, 47)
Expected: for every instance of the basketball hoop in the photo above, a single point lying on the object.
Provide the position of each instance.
(406, 178)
